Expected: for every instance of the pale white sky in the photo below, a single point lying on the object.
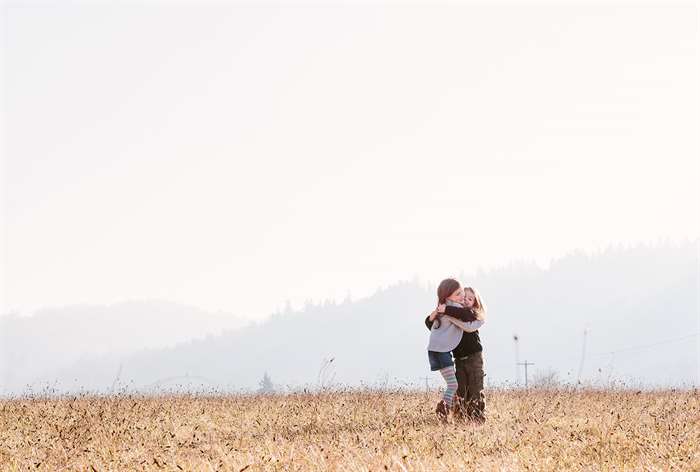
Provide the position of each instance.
(234, 157)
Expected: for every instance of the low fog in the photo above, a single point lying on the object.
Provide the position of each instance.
(638, 308)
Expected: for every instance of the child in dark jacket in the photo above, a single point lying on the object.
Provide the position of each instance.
(469, 364)
(445, 336)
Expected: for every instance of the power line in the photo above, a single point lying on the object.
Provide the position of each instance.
(526, 363)
(427, 383)
(647, 346)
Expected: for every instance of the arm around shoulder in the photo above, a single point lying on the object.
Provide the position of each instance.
(466, 326)
(464, 314)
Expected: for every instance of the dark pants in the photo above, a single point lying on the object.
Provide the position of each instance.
(470, 388)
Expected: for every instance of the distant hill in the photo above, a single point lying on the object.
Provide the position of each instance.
(38, 346)
(638, 307)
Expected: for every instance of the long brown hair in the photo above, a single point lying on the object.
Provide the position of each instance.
(446, 288)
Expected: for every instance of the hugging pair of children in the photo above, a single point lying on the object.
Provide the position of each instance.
(454, 333)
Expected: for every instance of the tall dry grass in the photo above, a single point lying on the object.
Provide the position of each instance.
(525, 430)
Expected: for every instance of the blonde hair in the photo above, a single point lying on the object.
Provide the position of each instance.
(479, 307)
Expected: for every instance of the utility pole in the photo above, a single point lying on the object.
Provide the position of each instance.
(427, 387)
(526, 363)
(517, 359)
(583, 356)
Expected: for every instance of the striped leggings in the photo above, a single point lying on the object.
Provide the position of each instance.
(448, 373)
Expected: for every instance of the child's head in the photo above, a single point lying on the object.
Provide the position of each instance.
(473, 300)
(450, 289)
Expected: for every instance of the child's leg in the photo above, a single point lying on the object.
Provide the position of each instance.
(475, 388)
(448, 373)
(462, 382)
(461, 373)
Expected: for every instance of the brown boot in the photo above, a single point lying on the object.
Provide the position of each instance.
(458, 410)
(441, 411)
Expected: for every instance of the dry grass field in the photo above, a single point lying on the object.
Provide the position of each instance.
(525, 430)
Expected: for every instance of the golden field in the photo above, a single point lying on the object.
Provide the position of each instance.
(526, 430)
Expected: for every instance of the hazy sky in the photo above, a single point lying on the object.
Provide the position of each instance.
(236, 157)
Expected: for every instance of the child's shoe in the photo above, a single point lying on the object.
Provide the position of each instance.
(441, 410)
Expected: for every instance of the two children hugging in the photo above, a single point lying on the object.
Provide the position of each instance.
(454, 333)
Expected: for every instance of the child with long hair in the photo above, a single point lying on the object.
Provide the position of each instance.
(446, 333)
(469, 364)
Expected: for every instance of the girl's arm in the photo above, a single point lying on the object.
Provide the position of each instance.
(466, 326)
(464, 314)
(430, 318)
